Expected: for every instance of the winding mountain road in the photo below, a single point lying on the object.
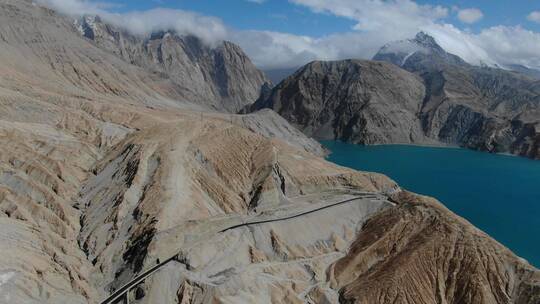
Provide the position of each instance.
(123, 291)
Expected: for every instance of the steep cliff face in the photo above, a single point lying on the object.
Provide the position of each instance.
(443, 99)
(482, 108)
(353, 100)
(221, 77)
(456, 262)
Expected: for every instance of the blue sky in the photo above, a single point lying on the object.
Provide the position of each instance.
(284, 16)
(274, 15)
(287, 33)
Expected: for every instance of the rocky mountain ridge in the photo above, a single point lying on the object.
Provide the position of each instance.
(399, 52)
(428, 96)
(221, 77)
(353, 100)
(104, 170)
(531, 72)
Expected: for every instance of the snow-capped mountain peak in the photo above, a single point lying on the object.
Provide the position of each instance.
(399, 52)
(427, 41)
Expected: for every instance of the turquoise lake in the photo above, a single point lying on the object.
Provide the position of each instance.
(499, 194)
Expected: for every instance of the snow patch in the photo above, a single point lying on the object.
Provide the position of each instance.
(406, 58)
(87, 26)
(79, 26)
(91, 22)
(403, 47)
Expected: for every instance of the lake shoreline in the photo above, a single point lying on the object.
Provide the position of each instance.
(495, 192)
(425, 145)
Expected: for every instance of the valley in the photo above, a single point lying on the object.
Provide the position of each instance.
(123, 162)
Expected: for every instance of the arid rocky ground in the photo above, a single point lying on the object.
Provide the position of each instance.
(103, 171)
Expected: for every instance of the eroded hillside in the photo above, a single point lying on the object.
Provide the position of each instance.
(414, 92)
(104, 173)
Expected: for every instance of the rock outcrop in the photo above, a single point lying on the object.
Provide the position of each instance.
(353, 100)
(450, 258)
(422, 45)
(482, 108)
(220, 77)
(103, 174)
(441, 100)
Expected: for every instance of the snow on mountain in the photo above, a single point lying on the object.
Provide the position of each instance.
(404, 48)
(398, 52)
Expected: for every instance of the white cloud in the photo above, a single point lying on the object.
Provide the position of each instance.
(76, 7)
(508, 45)
(270, 50)
(371, 15)
(376, 23)
(381, 21)
(470, 15)
(534, 16)
(256, 1)
(460, 43)
(209, 29)
(279, 50)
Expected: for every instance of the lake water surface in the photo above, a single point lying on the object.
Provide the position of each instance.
(499, 194)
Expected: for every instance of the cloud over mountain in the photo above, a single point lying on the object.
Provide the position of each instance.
(376, 22)
(208, 28)
(534, 16)
(470, 15)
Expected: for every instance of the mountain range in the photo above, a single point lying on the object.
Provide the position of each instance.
(120, 158)
(221, 77)
(425, 96)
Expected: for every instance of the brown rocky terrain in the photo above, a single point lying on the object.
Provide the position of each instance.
(221, 77)
(104, 169)
(442, 100)
(483, 108)
(421, 248)
(353, 100)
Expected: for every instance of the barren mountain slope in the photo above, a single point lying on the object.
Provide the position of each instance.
(483, 108)
(422, 253)
(352, 100)
(42, 53)
(63, 104)
(171, 190)
(101, 175)
(221, 77)
(425, 95)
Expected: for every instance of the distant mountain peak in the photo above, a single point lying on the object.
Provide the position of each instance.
(421, 36)
(220, 77)
(423, 44)
(426, 40)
